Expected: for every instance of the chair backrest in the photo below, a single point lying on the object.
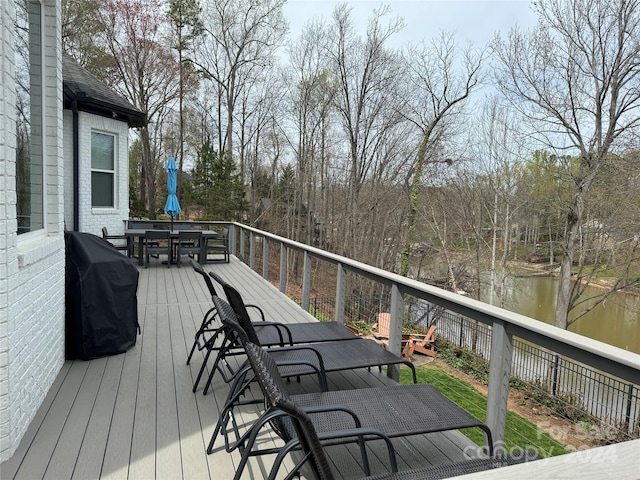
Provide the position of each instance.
(156, 235)
(190, 236)
(230, 319)
(273, 389)
(105, 233)
(198, 268)
(235, 300)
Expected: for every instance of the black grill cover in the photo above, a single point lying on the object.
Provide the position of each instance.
(101, 288)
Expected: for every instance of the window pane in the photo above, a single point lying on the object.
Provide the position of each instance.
(102, 151)
(101, 189)
(29, 173)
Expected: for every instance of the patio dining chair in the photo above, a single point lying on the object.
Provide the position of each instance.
(157, 242)
(119, 242)
(189, 243)
(386, 412)
(219, 246)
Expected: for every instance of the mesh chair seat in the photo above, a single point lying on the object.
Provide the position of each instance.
(307, 332)
(382, 412)
(393, 410)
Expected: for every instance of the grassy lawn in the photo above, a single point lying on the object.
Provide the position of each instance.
(520, 432)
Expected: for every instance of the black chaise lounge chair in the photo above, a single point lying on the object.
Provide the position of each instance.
(306, 332)
(383, 412)
(298, 360)
(336, 356)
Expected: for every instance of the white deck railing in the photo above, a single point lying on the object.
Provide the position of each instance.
(505, 324)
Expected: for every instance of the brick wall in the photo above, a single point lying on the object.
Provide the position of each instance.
(93, 219)
(31, 265)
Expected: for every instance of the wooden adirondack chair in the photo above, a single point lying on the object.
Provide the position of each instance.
(411, 343)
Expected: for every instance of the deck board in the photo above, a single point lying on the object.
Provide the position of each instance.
(89, 463)
(134, 416)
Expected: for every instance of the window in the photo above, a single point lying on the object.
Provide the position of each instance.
(29, 97)
(102, 169)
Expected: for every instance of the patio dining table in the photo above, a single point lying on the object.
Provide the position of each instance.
(173, 235)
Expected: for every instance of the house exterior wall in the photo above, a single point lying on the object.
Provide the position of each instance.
(67, 123)
(32, 264)
(93, 219)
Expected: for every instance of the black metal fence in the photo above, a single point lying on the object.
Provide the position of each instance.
(602, 397)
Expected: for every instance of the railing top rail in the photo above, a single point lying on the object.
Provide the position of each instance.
(617, 361)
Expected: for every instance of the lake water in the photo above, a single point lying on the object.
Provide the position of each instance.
(616, 321)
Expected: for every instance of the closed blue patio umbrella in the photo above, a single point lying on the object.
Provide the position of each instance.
(172, 207)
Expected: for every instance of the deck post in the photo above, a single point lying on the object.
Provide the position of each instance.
(252, 251)
(395, 328)
(341, 286)
(265, 258)
(233, 248)
(242, 235)
(499, 375)
(283, 268)
(306, 281)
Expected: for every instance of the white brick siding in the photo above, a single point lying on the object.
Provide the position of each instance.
(32, 265)
(93, 219)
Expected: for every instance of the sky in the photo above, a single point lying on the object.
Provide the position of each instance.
(475, 20)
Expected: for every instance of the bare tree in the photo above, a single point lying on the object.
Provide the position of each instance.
(145, 72)
(240, 38)
(442, 78)
(497, 153)
(367, 74)
(576, 77)
(312, 92)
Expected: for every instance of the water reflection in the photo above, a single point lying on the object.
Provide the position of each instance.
(616, 321)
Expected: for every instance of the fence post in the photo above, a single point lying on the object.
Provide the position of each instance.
(627, 415)
(341, 286)
(265, 258)
(395, 329)
(461, 330)
(283, 268)
(306, 282)
(556, 368)
(499, 374)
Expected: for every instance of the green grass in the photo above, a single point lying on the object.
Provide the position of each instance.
(520, 432)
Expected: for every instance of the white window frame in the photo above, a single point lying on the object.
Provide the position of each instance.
(113, 172)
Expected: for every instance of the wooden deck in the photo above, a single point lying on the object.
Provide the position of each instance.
(134, 416)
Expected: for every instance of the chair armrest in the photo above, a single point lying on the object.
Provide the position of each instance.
(280, 327)
(260, 311)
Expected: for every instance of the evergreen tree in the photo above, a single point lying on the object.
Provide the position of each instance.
(217, 185)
